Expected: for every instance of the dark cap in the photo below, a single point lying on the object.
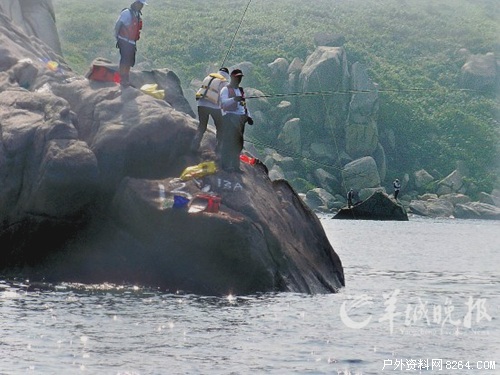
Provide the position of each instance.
(223, 69)
(237, 73)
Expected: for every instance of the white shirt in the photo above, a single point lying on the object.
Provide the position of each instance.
(227, 101)
(125, 18)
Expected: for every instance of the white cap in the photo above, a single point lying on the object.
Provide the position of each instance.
(142, 2)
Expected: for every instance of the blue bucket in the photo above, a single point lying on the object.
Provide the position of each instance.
(180, 201)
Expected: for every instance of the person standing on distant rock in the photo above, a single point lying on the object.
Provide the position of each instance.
(397, 186)
(128, 28)
(350, 195)
(235, 115)
(352, 198)
(208, 100)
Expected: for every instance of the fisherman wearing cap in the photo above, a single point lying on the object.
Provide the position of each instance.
(208, 99)
(127, 32)
(235, 115)
(397, 186)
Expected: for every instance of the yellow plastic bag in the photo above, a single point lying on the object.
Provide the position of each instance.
(200, 170)
(152, 89)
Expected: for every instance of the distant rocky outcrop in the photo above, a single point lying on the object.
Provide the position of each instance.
(89, 174)
(455, 206)
(476, 210)
(378, 206)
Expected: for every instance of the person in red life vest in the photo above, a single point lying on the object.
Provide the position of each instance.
(128, 28)
(208, 100)
(235, 115)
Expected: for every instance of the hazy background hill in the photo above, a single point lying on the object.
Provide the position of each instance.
(410, 48)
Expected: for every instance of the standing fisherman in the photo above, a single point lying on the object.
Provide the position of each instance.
(350, 195)
(235, 115)
(128, 28)
(208, 99)
(397, 186)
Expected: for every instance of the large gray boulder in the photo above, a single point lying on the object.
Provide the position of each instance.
(432, 207)
(453, 183)
(279, 69)
(290, 136)
(35, 18)
(325, 70)
(477, 210)
(480, 72)
(495, 196)
(319, 198)
(87, 173)
(361, 173)
(361, 130)
(422, 178)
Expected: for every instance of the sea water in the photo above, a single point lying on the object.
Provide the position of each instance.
(421, 296)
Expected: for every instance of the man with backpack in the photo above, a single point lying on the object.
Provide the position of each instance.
(235, 115)
(128, 28)
(208, 100)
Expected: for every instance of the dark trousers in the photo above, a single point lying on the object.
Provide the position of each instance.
(127, 52)
(204, 114)
(127, 60)
(232, 140)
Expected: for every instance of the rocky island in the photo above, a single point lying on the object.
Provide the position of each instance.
(89, 173)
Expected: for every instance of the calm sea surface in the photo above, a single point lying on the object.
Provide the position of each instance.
(421, 297)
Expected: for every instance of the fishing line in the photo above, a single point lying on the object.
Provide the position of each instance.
(254, 141)
(346, 92)
(330, 122)
(328, 118)
(284, 152)
(235, 33)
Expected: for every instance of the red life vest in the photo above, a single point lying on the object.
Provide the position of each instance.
(133, 31)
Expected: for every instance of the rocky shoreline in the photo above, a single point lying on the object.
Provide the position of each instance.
(452, 205)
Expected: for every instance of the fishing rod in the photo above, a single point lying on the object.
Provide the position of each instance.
(235, 33)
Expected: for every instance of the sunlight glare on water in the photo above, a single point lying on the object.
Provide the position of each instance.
(414, 290)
